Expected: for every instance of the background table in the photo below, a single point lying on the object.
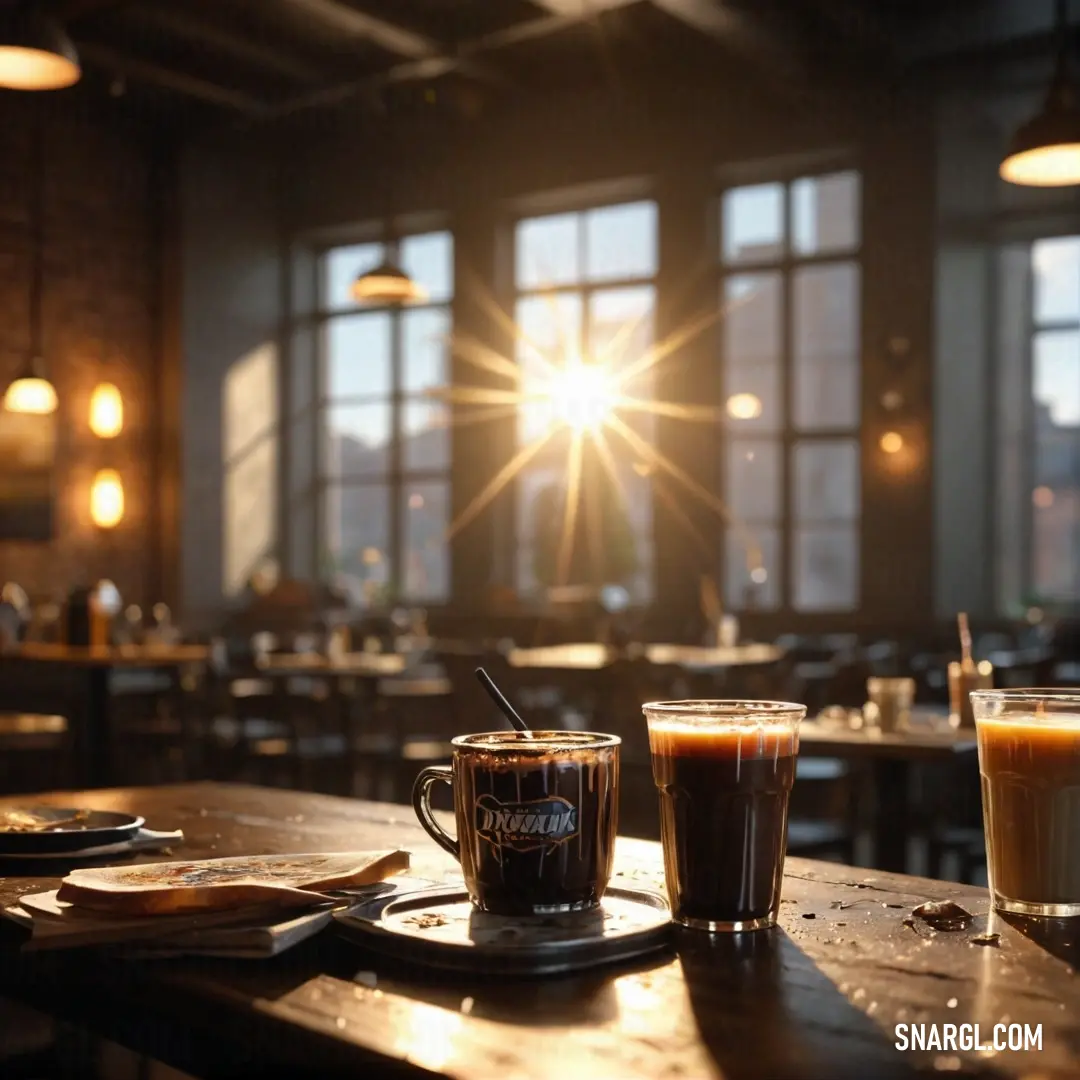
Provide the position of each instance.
(591, 656)
(818, 997)
(892, 756)
(355, 665)
(73, 680)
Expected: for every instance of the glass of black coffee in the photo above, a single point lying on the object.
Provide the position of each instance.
(536, 818)
(724, 770)
(1029, 758)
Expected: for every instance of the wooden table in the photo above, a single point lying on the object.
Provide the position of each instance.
(819, 997)
(892, 756)
(355, 665)
(90, 667)
(590, 656)
(705, 657)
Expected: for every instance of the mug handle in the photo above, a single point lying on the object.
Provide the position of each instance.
(421, 800)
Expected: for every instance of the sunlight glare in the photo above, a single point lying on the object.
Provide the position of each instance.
(582, 395)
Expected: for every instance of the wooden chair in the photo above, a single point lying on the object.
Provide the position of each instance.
(153, 712)
(36, 753)
(281, 731)
(410, 725)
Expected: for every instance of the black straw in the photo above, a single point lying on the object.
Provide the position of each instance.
(505, 707)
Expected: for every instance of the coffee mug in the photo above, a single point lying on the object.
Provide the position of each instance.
(536, 818)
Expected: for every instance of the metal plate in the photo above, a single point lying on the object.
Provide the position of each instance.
(96, 829)
(441, 928)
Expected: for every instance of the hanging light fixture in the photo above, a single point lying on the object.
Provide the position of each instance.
(31, 392)
(35, 51)
(387, 284)
(1045, 152)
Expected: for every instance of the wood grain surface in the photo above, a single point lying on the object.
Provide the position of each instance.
(819, 997)
(111, 655)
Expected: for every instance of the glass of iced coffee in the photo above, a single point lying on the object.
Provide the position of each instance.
(724, 771)
(1029, 758)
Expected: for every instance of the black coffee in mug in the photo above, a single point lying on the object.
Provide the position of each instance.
(536, 818)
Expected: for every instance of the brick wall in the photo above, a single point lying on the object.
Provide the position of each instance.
(100, 300)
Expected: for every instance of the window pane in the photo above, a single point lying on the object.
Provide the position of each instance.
(753, 479)
(426, 565)
(825, 569)
(539, 498)
(1056, 267)
(1056, 376)
(425, 342)
(753, 223)
(358, 356)
(1057, 457)
(551, 330)
(826, 478)
(620, 242)
(425, 436)
(547, 251)
(638, 508)
(752, 398)
(356, 440)
(746, 554)
(825, 213)
(752, 317)
(341, 267)
(826, 346)
(429, 260)
(356, 527)
(1055, 541)
(621, 327)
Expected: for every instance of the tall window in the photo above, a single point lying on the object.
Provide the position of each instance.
(790, 293)
(385, 450)
(1044, 414)
(584, 311)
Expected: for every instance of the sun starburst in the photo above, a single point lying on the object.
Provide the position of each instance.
(565, 397)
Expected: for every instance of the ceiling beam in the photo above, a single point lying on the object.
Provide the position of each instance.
(67, 10)
(201, 33)
(387, 35)
(738, 31)
(144, 71)
(391, 37)
(463, 60)
(581, 9)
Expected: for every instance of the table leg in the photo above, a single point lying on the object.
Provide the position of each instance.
(892, 793)
(96, 742)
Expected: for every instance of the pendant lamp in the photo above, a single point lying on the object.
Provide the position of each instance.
(387, 284)
(31, 392)
(35, 51)
(1045, 152)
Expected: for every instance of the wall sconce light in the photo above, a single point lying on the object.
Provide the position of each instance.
(106, 411)
(744, 406)
(892, 442)
(107, 499)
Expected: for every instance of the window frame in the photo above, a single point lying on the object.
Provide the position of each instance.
(578, 201)
(397, 476)
(788, 435)
(1029, 596)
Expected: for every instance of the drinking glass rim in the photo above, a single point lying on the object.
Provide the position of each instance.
(728, 709)
(545, 741)
(1023, 694)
